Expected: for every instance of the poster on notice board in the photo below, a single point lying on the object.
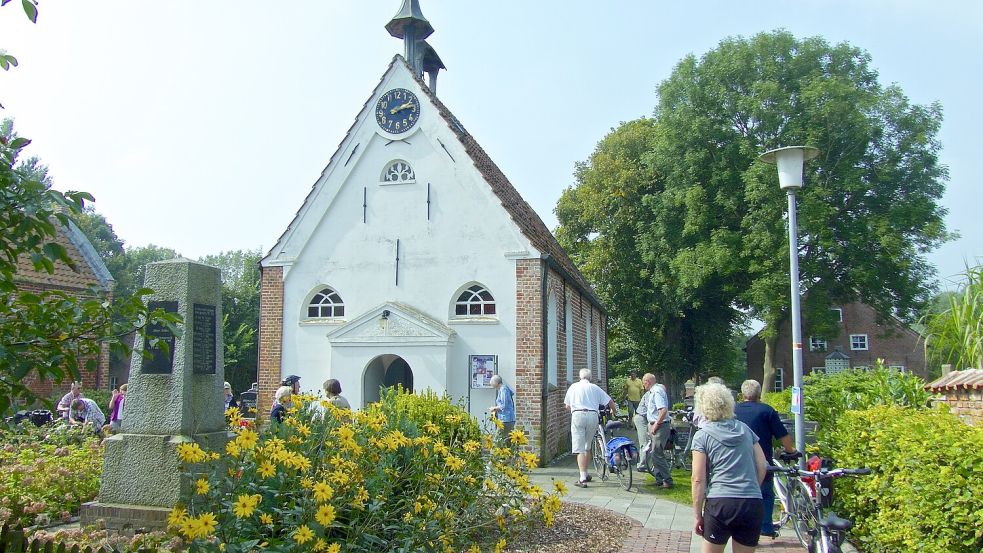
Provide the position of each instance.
(482, 367)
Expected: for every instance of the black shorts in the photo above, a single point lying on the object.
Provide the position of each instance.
(737, 517)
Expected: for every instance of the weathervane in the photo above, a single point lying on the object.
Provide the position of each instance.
(410, 25)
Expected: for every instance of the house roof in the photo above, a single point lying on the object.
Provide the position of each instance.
(969, 379)
(91, 271)
(524, 216)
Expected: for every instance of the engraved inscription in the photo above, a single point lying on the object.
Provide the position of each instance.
(161, 359)
(203, 339)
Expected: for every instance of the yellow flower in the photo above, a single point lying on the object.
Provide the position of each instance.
(323, 492)
(247, 438)
(454, 464)
(498, 424)
(320, 544)
(177, 516)
(474, 548)
(201, 486)
(471, 446)
(303, 535)
(233, 449)
(500, 546)
(518, 437)
(200, 527)
(531, 460)
(265, 519)
(431, 428)
(266, 469)
(334, 548)
(245, 505)
(190, 452)
(560, 487)
(325, 515)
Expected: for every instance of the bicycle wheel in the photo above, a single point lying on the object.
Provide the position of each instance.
(804, 513)
(781, 514)
(622, 468)
(599, 451)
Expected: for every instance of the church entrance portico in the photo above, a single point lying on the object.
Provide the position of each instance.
(389, 345)
(385, 371)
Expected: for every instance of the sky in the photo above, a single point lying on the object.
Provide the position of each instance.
(201, 125)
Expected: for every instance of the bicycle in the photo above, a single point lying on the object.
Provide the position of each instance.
(615, 455)
(792, 494)
(679, 447)
(818, 532)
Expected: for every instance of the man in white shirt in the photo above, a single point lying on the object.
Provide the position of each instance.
(641, 420)
(659, 429)
(583, 400)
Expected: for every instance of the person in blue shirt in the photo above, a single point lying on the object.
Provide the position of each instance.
(504, 408)
(766, 424)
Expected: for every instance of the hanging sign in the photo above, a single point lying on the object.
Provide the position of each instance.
(796, 400)
(482, 368)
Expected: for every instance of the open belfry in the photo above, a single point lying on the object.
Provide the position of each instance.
(414, 261)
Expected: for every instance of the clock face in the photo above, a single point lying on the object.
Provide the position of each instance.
(397, 111)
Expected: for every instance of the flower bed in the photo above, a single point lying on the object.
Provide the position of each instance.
(46, 473)
(410, 473)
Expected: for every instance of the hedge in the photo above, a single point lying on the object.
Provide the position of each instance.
(925, 492)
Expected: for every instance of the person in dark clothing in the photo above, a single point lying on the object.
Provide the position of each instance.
(766, 424)
(281, 403)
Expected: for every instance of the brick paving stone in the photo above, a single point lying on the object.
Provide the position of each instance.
(648, 540)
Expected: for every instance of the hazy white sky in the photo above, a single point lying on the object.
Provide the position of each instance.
(201, 125)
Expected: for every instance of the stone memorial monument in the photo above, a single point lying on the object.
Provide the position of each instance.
(173, 397)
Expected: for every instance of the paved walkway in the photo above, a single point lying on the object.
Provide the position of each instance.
(663, 526)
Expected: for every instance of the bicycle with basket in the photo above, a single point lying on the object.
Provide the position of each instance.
(613, 454)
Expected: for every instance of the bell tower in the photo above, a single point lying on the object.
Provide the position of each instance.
(410, 25)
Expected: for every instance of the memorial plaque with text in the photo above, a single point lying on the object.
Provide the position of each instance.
(203, 339)
(161, 360)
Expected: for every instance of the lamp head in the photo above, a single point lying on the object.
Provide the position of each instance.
(385, 314)
(789, 161)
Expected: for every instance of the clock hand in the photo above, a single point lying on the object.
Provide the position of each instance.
(400, 108)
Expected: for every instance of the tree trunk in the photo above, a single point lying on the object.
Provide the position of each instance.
(768, 370)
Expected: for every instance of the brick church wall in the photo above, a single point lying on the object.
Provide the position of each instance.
(529, 348)
(270, 335)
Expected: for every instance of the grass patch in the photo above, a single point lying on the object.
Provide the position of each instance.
(679, 493)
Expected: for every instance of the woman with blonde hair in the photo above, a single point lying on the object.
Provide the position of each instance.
(728, 468)
(282, 399)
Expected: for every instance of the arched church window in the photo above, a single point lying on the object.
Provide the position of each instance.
(474, 301)
(326, 303)
(398, 172)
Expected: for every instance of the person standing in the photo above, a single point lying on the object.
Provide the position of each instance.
(633, 392)
(583, 400)
(116, 409)
(728, 468)
(641, 422)
(281, 402)
(659, 429)
(504, 408)
(332, 393)
(764, 421)
(230, 398)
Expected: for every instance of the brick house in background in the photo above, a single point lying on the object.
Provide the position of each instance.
(860, 343)
(91, 272)
(412, 254)
(962, 391)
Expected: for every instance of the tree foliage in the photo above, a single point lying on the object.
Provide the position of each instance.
(49, 334)
(683, 231)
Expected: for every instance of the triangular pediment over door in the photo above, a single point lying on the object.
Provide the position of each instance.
(392, 323)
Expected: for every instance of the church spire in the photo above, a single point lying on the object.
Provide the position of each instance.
(410, 25)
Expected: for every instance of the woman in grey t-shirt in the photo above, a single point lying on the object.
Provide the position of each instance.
(728, 468)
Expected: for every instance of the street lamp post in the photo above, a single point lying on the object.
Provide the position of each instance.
(790, 161)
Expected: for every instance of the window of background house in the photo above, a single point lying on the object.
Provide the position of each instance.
(817, 344)
(858, 342)
(839, 313)
(779, 379)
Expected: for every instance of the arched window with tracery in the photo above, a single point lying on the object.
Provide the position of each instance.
(474, 301)
(326, 304)
(398, 172)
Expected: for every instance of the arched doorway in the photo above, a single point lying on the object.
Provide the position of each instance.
(385, 371)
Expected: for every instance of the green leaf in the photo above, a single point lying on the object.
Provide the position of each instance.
(20, 141)
(31, 9)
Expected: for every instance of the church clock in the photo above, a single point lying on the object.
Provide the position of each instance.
(397, 111)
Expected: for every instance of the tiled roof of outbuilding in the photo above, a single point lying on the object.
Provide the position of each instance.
(970, 379)
(91, 269)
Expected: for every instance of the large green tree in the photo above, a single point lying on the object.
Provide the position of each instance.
(680, 226)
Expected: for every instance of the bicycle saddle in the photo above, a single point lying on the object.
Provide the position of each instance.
(833, 522)
(613, 425)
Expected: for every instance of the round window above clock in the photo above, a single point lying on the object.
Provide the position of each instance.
(397, 111)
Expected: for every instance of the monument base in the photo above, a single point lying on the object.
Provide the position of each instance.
(116, 516)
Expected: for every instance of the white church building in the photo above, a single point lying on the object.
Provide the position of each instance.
(414, 261)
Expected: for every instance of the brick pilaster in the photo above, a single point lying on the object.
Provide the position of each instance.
(529, 349)
(270, 335)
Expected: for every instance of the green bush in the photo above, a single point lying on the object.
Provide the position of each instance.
(925, 492)
(46, 473)
(616, 388)
(428, 407)
(779, 401)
